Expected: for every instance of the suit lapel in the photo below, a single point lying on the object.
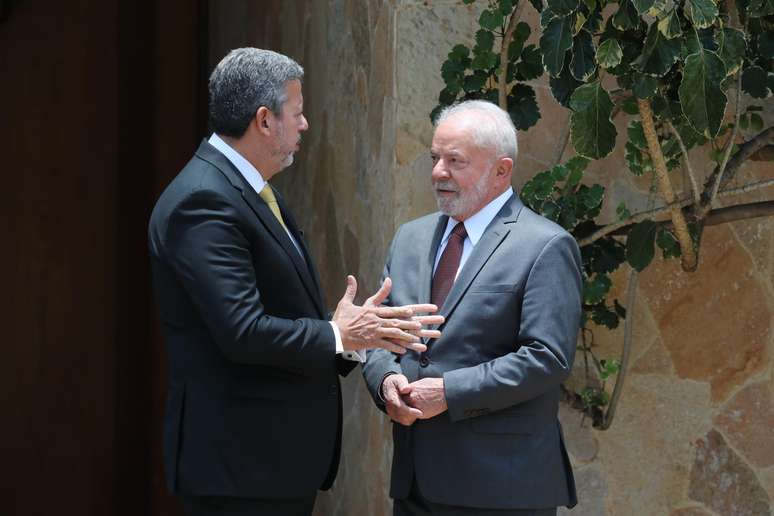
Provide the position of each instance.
(493, 236)
(210, 154)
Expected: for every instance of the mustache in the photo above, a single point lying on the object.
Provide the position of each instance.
(446, 185)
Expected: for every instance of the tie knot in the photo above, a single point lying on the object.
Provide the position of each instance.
(459, 230)
(267, 194)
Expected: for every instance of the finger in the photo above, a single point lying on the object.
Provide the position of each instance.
(381, 294)
(414, 346)
(389, 346)
(430, 334)
(351, 290)
(392, 312)
(401, 324)
(421, 308)
(426, 320)
(397, 335)
(405, 389)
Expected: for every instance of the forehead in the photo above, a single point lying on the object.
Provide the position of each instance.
(293, 91)
(453, 134)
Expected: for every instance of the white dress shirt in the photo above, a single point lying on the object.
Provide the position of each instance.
(257, 182)
(474, 226)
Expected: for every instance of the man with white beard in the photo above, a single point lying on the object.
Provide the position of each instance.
(476, 413)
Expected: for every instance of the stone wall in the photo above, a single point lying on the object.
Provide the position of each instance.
(694, 433)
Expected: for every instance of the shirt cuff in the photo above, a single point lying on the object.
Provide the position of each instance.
(354, 356)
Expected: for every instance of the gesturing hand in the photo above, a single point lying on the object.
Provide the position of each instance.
(397, 409)
(427, 395)
(395, 329)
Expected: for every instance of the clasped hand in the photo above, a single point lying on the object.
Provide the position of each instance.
(406, 402)
(397, 329)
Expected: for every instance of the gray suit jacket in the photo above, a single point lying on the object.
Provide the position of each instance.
(508, 342)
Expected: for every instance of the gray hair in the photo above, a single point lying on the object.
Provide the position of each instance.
(499, 134)
(243, 81)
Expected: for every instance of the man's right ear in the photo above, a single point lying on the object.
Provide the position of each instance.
(263, 119)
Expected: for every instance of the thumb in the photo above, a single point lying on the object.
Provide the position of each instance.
(405, 389)
(351, 290)
(381, 294)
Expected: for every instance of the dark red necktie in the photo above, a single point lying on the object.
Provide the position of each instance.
(446, 271)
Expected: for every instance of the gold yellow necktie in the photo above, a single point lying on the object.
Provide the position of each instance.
(267, 194)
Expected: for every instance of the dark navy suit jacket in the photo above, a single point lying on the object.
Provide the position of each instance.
(253, 407)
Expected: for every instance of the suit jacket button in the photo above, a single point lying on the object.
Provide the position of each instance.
(424, 361)
(333, 389)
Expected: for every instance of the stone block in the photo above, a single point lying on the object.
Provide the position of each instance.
(722, 481)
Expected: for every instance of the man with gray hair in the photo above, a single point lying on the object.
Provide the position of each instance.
(253, 415)
(475, 414)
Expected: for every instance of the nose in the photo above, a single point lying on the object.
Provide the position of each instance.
(440, 172)
(304, 123)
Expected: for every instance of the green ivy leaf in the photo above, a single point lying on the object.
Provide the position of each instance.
(766, 43)
(608, 368)
(609, 53)
(603, 316)
(592, 197)
(642, 6)
(658, 54)
(645, 86)
(563, 86)
(485, 61)
(555, 42)
(563, 7)
(591, 130)
(474, 82)
(484, 41)
(594, 21)
(702, 12)
(506, 6)
(756, 122)
(669, 26)
(468, 2)
(635, 160)
(754, 82)
(629, 106)
(523, 107)
(596, 288)
(731, 48)
(639, 244)
(531, 64)
(669, 245)
(491, 20)
(704, 103)
(520, 35)
(546, 15)
(582, 65)
(760, 8)
(637, 135)
(605, 255)
(626, 16)
(622, 212)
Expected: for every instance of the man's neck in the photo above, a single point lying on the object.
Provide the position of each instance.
(251, 154)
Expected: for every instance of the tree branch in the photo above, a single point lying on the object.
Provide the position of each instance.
(746, 150)
(502, 73)
(688, 254)
(687, 162)
(726, 153)
(622, 227)
(631, 296)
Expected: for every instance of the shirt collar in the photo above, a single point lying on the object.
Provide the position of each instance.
(478, 222)
(248, 171)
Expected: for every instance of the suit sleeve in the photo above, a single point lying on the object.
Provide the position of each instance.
(381, 363)
(550, 318)
(212, 259)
